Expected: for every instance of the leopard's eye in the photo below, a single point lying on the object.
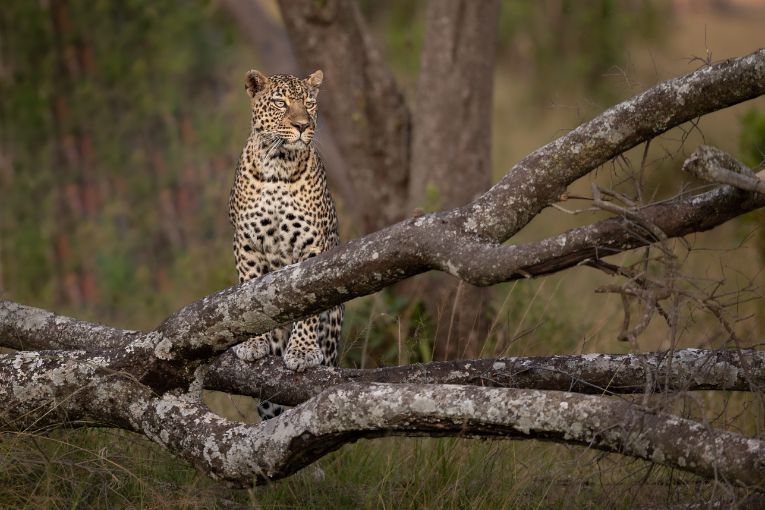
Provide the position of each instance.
(310, 102)
(279, 103)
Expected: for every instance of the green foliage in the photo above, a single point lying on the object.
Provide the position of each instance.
(752, 139)
(752, 146)
(119, 127)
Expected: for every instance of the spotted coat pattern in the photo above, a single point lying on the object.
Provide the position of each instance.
(282, 212)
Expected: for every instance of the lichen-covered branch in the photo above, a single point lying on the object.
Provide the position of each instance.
(539, 178)
(366, 265)
(457, 240)
(485, 263)
(713, 165)
(599, 374)
(45, 390)
(385, 257)
(28, 328)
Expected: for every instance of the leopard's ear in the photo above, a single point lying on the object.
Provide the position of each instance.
(315, 79)
(254, 82)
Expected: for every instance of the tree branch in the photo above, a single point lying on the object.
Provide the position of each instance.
(713, 165)
(385, 257)
(486, 264)
(599, 374)
(44, 390)
(371, 263)
(28, 328)
(540, 178)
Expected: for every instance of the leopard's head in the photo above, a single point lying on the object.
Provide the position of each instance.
(284, 107)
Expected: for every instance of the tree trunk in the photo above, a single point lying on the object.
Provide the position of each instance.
(451, 134)
(451, 153)
(360, 100)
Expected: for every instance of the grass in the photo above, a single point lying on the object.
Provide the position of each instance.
(109, 469)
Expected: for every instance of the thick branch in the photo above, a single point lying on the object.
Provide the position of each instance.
(126, 382)
(540, 178)
(390, 255)
(487, 264)
(683, 370)
(27, 328)
(369, 264)
(66, 389)
(366, 265)
(81, 391)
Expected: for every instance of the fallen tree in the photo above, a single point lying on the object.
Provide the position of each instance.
(70, 373)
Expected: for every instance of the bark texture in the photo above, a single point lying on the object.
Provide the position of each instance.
(451, 133)
(451, 152)
(713, 165)
(598, 374)
(150, 382)
(38, 391)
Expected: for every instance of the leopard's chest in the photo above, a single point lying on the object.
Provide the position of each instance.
(282, 221)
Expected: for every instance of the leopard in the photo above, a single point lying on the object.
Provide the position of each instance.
(283, 213)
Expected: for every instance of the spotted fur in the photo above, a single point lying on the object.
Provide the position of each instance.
(282, 213)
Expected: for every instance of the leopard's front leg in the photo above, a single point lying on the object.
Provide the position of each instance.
(250, 264)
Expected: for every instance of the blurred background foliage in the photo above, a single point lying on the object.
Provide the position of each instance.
(122, 122)
(120, 125)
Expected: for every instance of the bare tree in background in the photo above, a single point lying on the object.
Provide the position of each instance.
(70, 373)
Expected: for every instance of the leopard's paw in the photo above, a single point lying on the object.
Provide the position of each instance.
(252, 349)
(302, 358)
(310, 252)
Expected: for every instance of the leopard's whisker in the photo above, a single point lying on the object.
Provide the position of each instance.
(272, 150)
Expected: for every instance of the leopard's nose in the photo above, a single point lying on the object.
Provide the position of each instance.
(300, 125)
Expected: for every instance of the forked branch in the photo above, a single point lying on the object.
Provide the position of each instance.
(38, 395)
